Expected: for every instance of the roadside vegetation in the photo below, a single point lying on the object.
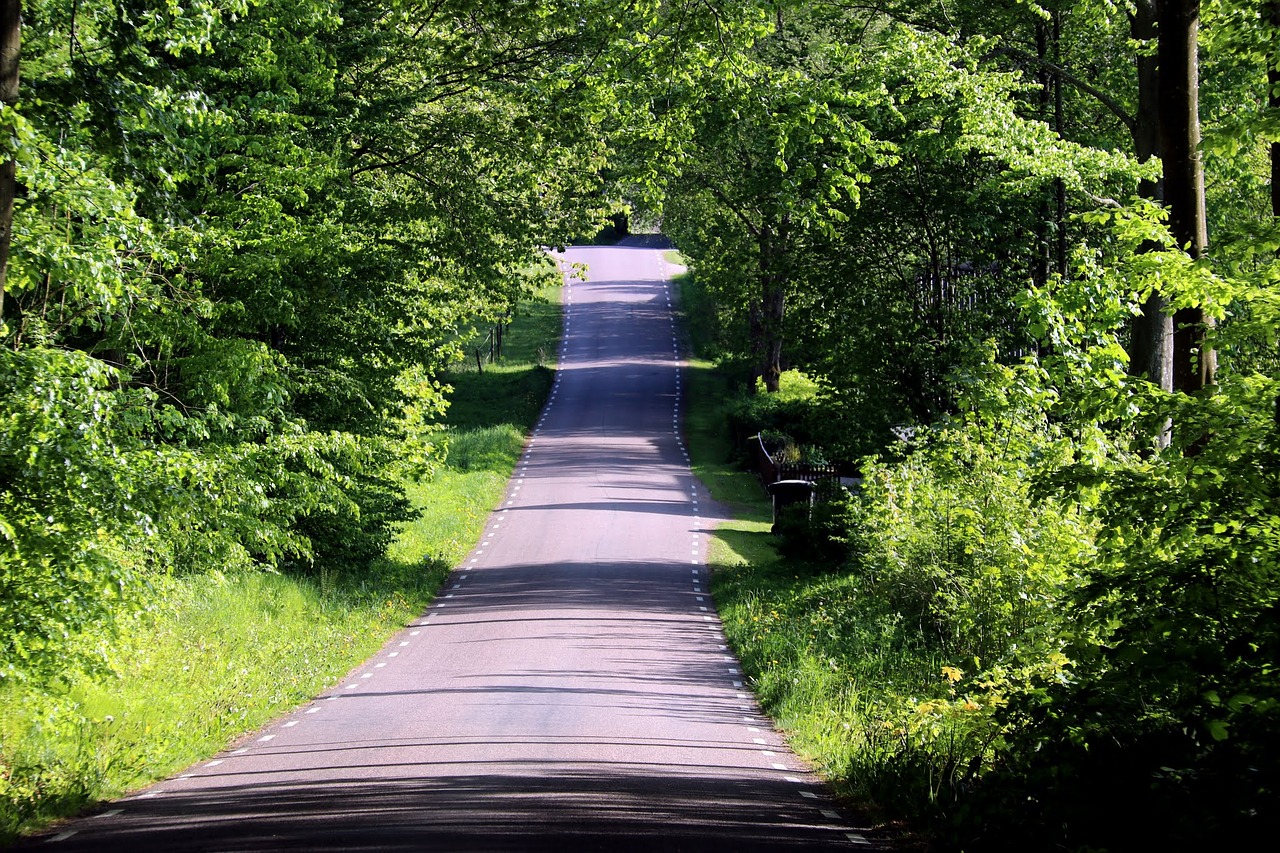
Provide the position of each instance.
(994, 261)
(978, 640)
(219, 654)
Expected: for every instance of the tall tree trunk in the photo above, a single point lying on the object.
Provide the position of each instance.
(1151, 336)
(1272, 10)
(773, 304)
(1059, 121)
(10, 55)
(1052, 232)
(1194, 363)
(755, 337)
(1043, 268)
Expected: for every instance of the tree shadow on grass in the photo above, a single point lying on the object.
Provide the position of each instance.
(512, 395)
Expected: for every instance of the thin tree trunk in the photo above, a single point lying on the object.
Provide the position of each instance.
(1151, 336)
(773, 305)
(1179, 24)
(10, 56)
(1059, 121)
(1273, 101)
(1044, 239)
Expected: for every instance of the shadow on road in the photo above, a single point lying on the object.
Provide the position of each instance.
(618, 810)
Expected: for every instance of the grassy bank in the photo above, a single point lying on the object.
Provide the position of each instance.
(220, 655)
(824, 675)
(215, 657)
(489, 415)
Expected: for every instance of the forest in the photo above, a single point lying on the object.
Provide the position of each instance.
(1026, 256)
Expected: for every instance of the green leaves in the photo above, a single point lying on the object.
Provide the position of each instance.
(247, 237)
(964, 251)
(68, 504)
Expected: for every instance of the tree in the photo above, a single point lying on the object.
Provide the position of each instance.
(1178, 27)
(10, 55)
(778, 151)
(1151, 341)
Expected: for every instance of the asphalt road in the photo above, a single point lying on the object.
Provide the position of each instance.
(570, 689)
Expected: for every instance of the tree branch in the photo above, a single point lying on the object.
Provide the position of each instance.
(1106, 100)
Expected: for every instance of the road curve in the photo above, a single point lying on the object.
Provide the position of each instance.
(570, 688)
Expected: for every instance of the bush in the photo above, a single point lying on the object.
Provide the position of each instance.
(954, 539)
(819, 534)
(793, 413)
(1167, 733)
(74, 519)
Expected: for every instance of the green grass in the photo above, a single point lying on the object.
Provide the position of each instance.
(833, 679)
(778, 627)
(218, 656)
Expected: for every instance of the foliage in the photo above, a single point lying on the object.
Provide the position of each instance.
(270, 639)
(1172, 697)
(954, 540)
(1173, 702)
(1101, 607)
(247, 238)
(794, 412)
(250, 236)
(66, 521)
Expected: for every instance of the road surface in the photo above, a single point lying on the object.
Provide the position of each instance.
(570, 689)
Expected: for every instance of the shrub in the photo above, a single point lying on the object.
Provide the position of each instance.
(819, 534)
(954, 539)
(1166, 733)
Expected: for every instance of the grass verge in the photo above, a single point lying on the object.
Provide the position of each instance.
(490, 414)
(220, 655)
(216, 656)
(823, 672)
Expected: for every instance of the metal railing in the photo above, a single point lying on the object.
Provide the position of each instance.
(771, 470)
